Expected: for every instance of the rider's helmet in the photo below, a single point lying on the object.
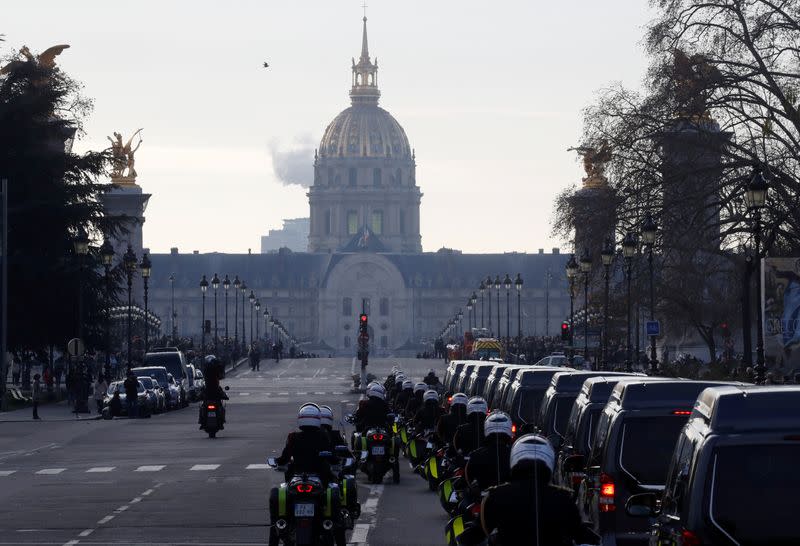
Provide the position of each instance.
(533, 452)
(498, 422)
(399, 378)
(374, 390)
(326, 416)
(458, 399)
(430, 396)
(211, 360)
(477, 404)
(308, 416)
(408, 384)
(420, 387)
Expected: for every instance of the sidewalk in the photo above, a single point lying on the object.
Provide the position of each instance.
(54, 411)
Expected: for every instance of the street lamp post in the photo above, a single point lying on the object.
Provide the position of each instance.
(756, 199)
(258, 308)
(81, 246)
(129, 261)
(107, 255)
(469, 313)
(628, 252)
(649, 229)
(226, 285)
(507, 284)
(518, 285)
(145, 267)
(252, 299)
(244, 296)
(586, 269)
(482, 289)
(215, 285)
(172, 306)
(474, 301)
(203, 289)
(572, 272)
(266, 319)
(237, 284)
(497, 285)
(489, 284)
(607, 255)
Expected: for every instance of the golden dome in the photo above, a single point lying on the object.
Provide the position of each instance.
(364, 130)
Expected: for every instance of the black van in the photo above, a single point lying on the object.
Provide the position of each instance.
(733, 477)
(503, 386)
(523, 399)
(491, 382)
(635, 438)
(452, 373)
(477, 379)
(463, 376)
(556, 406)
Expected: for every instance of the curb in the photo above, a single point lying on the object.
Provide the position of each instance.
(238, 363)
(78, 420)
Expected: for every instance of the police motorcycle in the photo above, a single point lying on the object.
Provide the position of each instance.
(305, 509)
(378, 451)
(211, 416)
(343, 466)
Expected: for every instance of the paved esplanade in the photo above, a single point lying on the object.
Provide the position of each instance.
(162, 481)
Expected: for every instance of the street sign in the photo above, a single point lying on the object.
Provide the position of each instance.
(75, 347)
(653, 328)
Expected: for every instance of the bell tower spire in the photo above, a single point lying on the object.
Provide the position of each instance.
(365, 76)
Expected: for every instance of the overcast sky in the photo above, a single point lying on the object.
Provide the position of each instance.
(489, 93)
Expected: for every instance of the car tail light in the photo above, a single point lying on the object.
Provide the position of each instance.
(211, 406)
(607, 491)
(514, 429)
(304, 488)
(682, 412)
(688, 538)
(377, 437)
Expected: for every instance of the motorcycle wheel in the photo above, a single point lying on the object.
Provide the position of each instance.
(375, 476)
(212, 433)
(396, 472)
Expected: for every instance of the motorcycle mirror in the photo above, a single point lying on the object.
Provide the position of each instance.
(227, 388)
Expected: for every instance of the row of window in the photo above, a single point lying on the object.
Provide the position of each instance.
(376, 224)
(347, 306)
(377, 177)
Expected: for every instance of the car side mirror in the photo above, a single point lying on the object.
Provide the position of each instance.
(642, 505)
(574, 463)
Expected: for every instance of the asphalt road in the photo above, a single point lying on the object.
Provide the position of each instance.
(162, 481)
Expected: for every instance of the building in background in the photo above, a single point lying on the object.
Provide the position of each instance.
(293, 235)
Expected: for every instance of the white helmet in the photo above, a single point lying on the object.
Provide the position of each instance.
(430, 395)
(377, 391)
(308, 416)
(420, 387)
(458, 399)
(498, 422)
(399, 378)
(408, 384)
(477, 404)
(326, 416)
(533, 448)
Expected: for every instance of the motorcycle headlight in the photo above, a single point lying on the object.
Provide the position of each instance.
(327, 525)
(281, 524)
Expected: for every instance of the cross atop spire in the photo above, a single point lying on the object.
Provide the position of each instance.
(365, 74)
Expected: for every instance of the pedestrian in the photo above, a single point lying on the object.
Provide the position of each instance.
(36, 393)
(15, 371)
(131, 387)
(100, 388)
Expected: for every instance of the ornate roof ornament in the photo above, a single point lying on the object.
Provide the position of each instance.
(595, 158)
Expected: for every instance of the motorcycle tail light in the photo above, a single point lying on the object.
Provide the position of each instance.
(377, 437)
(304, 488)
(475, 509)
(211, 406)
(688, 538)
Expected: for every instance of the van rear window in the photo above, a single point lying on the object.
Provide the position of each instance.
(646, 446)
(526, 404)
(754, 495)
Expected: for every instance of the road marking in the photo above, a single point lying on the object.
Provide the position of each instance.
(148, 492)
(101, 469)
(283, 394)
(337, 394)
(86, 533)
(244, 394)
(205, 467)
(360, 531)
(122, 508)
(6, 472)
(257, 467)
(301, 393)
(150, 468)
(136, 499)
(71, 543)
(51, 471)
(104, 520)
(320, 393)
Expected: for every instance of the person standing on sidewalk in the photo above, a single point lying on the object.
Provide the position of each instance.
(36, 393)
(15, 371)
(131, 386)
(100, 388)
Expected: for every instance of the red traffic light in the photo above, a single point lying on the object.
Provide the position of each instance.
(564, 326)
(362, 317)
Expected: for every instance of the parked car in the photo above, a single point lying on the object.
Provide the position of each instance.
(144, 407)
(155, 394)
(200, 383)
(636, 436)
(175, 363)
(733, 476)
(172, 393)
(193, 393)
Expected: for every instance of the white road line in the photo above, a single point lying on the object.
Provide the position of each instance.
(244, 394)
(337, 393)
(6, 472)
(71, 543)
(86, 533)
(257, 467)
(205, 467)
(122, 508)
(136, 499)
(360, 531)
(148, 492)
(150, 468)
(101, 469)
(51, 471)
(104, 520)
(301, 393)
(283, 394)
(320, 393)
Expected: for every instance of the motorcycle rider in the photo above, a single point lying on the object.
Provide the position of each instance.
(404, 396)
(415, 402)
(431, 379)
(374, 411)
(427, 416)
(213, 392)
(333, 436)
(489, 465)
(529, 509)
(469, 436)
(457, 416)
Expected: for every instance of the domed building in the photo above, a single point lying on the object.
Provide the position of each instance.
(365, 194)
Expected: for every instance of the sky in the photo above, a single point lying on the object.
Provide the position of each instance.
(490, 95)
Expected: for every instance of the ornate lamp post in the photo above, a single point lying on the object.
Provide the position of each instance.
(756, 199)
(571, 270)
(237, 284)
(226, 285)
(497, 285)
(469, 313)
(482, 289)
(649, 229)
(203, 289)
(518, 285)
(489, 284)
(129, 262)
(586, 269)
(507, 284)
(107, 256)
(607, 255)
(145, 267)
(215, 285)
(628, 252)
(172, 306)
(266, 319)
(243, 289)
(252, 299)
(81, 247)
(257, 306)
(474, 300)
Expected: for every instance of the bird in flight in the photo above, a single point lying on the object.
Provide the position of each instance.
(266, 64)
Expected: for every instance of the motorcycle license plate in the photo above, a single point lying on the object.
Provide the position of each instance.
(304, 510)
(212, 413)
(379, 450)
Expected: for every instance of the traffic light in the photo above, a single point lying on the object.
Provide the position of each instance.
(363, 328)
(725, 331)
(565, 331)
(363, 339)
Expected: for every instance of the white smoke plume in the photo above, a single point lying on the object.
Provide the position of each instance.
(294, 165)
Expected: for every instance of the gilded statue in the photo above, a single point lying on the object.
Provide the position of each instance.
(122, 157)
(695, 79)
(595, 158)
(46, 59)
